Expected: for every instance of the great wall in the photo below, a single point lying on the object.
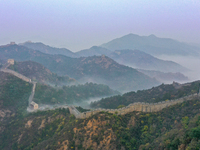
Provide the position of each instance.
(138, 106)
(24, 78)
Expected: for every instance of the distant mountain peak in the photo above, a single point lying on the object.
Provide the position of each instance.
(94, 50)
(94, 47)
(152, 45)
(139, 59)
(48, 49)
(26, 42)
(152, 35)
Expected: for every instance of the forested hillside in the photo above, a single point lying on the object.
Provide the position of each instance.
(172, 128)
(13, 92)
(45, 94)
(153, 95)
(39, 73)
(98, 69)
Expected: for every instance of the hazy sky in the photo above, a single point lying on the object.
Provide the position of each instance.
(79, 24)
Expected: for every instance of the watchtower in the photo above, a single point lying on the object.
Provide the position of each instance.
(33, 105)
(11, 61)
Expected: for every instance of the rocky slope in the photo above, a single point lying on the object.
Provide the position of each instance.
(93, 51)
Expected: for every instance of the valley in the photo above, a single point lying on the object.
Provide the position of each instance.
(99, 75)
(52, 98)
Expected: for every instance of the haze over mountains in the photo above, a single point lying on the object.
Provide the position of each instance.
(130, 50)
(99, 69)
(152, 45)
(142, 60)
(161, 46)
(141, 52)
(166, 77)
(48, 49)
(39, 73)
(49, 66)
(58, 129)
(93, 78)
(94, 50)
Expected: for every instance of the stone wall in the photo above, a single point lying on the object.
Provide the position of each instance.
(138, 106)
(142, 107)
(16, 74)
(73, 110)
(21, 77)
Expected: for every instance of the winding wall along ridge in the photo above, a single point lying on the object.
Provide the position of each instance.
(24, 78)
(138, 106)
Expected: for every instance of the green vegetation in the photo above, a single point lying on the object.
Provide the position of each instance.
(38, 72)
(31, 130)
(169, 129)
(80, 109)
(45, 94)
(14, 92)
(153, 95)
(174, 127)
(1, 63)
(100, 69)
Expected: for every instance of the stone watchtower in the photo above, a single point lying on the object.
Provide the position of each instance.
(33, 105)
(11, 61)
(12, 43)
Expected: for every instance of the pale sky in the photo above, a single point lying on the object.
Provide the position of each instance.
(80, 24)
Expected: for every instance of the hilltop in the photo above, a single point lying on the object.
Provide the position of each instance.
(38, 72)
(105, 70)
(93, 51)
(48, 49)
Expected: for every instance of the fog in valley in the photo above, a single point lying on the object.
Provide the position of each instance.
(190, 62)
(99, 74)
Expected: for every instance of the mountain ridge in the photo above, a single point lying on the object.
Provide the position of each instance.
(48, 49)
(152, 45)
(142, 60)
(38, 72)
(94, 67)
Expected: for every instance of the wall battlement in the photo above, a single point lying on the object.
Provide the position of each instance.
(138, 106)
(17, 75)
